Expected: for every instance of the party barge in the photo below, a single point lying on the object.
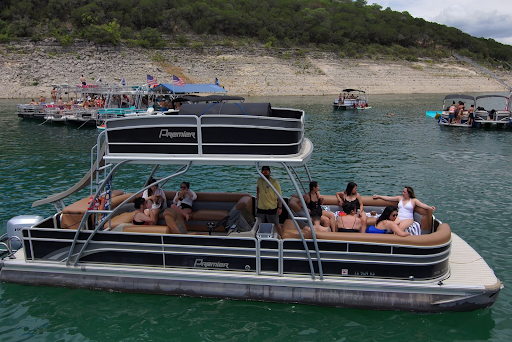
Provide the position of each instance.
(222, 250)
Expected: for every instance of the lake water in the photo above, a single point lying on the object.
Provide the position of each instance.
(465, 173)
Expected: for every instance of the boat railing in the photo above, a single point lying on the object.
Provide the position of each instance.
(306, 218)
(169, 136)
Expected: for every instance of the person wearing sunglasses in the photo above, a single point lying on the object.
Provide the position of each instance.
(182, 202)
(386, 223)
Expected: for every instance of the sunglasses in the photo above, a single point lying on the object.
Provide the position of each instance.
(394, 215)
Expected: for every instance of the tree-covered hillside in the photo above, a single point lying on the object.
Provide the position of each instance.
(352, 28)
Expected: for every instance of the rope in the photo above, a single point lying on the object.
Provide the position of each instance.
(206, 109)
(238, 104)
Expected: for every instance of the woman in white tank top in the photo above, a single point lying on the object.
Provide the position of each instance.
(406, 204)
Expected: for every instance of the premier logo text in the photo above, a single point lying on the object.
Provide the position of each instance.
(207, 264)
(165, 133)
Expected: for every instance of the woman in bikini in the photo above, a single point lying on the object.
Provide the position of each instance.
(406, 204)
(140, 217)
(349, 223)
(314, 202)
(350, 195)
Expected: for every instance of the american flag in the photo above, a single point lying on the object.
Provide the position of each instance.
(152, 81)
(178, 81)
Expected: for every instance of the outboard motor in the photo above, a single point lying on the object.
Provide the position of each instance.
(16, 224)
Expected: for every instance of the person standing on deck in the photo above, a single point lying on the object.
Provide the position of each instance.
(82, 79)
(269, 205)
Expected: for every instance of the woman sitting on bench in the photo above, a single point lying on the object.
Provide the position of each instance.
(182, 202)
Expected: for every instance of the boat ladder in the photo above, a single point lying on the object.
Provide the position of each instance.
(6, 249)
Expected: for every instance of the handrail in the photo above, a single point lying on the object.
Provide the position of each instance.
(108, 216)
(313, 234)
(285, 205)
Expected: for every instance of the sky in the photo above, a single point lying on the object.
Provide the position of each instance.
(488, 18)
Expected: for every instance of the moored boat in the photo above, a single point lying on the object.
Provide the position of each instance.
(242, 258)
(351, 99)
(449, 109)
(499, 113)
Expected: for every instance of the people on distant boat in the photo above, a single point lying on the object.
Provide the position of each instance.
(317, 226)
(341, 98)
(314, 201)
(156, 197)
(177, 105)
(42, 100)
(163, 105)
(451, 113)
(471, 114)
(86, 104)
(350, 195)
(70, 103)
(350, 222)
(140, 218)
(33, 102)
(269, 205)
(54, 95)
(459, 112)
(182, 202)
(82, 79)
(60, 103)
(387, 223)
(406, 204)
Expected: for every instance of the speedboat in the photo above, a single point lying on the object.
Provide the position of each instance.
(454, 99)
(351, 99)
(499, 114)
(223, 250)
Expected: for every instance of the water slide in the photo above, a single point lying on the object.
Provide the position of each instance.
(82, 183)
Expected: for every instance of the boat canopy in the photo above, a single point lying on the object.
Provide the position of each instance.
(352, 90)
(210, 98)
(188, 88)
(491, 95)
(459, 96)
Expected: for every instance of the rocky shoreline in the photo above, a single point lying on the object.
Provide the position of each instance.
(29, 69)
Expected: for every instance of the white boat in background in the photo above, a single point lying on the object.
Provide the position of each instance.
(351, 99)
(223, 251)
(497, 112)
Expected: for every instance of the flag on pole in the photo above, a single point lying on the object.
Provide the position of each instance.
(178, 81)
(123, 82)
(99, 81)
(216, 81)
(152, 81)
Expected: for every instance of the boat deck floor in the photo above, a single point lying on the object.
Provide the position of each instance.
(467, 267)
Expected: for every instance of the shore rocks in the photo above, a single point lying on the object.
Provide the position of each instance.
(29, 69)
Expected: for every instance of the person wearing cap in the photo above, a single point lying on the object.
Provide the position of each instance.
(269, 204)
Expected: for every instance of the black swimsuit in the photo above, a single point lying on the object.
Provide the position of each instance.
(314, 207)
(138, 223)
(356, 203)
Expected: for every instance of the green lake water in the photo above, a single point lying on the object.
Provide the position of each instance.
(465, 173)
